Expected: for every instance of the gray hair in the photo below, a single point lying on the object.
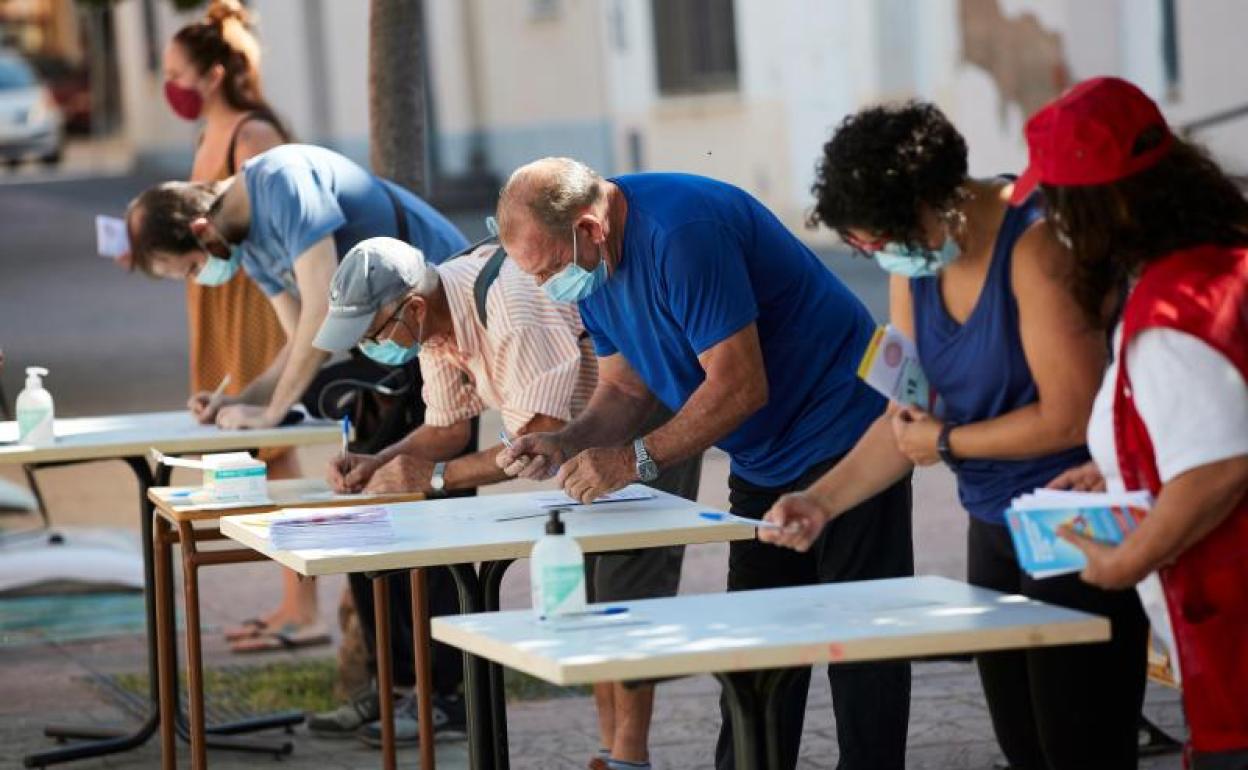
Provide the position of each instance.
(553, 191)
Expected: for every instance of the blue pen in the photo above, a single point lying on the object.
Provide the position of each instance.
(346, 433)
(502, 436)
(728, 518)
(594, 613)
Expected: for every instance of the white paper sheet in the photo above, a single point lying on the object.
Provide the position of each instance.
(111, 240)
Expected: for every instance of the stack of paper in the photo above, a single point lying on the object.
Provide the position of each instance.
(304, 528)
(1035, 518)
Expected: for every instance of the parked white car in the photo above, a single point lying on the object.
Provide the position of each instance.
(31, 125)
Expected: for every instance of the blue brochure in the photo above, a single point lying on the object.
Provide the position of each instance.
(1041, 553)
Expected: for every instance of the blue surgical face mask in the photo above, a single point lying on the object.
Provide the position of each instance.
(574, 283)
(390, 353)
(899, 259)
(217, 271)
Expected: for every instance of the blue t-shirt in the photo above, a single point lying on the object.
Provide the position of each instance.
(300, 194)
(701, 260)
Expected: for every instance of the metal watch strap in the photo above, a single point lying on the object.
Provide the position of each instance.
(944, 449)
(438, 480)
(647, 469)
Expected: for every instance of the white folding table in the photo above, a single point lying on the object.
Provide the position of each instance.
(751, 640)
(494, 530)
(128, 437)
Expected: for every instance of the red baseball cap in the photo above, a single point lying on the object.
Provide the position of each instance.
(1086, 137)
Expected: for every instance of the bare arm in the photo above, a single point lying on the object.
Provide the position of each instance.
(313, 271)
(1066, 356)
(734, 389)
(619, 406)
(1189, 507)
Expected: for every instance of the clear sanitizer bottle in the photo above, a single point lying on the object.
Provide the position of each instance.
(34, 410)
(557, 573)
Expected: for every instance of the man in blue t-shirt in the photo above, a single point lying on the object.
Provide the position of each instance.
(285, 220)
(697, 296)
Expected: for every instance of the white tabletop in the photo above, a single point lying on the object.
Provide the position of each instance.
(751, 630)
(127, 435)
(466, 529)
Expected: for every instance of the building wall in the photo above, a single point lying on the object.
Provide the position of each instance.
(517, 79)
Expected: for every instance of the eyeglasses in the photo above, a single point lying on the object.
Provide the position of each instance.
(869, 247)
(374, 337)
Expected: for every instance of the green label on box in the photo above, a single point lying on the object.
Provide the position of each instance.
(238, 473)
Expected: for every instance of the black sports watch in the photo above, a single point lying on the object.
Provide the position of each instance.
(943, 448)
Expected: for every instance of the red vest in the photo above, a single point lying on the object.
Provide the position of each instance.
(1203, 292)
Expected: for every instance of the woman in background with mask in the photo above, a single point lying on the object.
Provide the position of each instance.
(212, 73)
(978, 284)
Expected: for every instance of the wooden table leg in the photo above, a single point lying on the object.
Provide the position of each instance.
(424, 666)
(165, 641)
(194, 650)
(385, 676)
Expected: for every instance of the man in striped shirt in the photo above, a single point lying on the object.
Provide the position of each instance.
(486, 337)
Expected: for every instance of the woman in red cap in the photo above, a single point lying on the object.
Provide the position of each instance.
(1149, 213)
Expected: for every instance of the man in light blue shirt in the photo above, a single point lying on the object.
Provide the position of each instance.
(285, 219)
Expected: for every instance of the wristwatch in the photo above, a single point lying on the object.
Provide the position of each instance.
(944, 450)
(437, 482)
(647, 470)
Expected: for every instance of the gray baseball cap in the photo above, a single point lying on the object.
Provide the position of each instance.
(374, 273)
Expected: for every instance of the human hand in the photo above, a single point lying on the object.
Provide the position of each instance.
(1104, 568)
(801, 517)
(535, 456)
(349, 473)
(245, 417)
(204, 406)
(917, 434)
(596, 472)
(1082, 478)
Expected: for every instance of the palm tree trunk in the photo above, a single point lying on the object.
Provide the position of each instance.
(396, 92)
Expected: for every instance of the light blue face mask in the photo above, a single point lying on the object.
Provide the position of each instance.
(574, 283)
(217, 271)
(390, 353)
(899, 259)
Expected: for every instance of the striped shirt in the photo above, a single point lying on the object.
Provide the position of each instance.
(533, 358)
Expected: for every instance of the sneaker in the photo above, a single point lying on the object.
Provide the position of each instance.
(347, 719)
(449, 722)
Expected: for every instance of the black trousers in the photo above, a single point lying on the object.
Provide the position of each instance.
(447, 661)
(1061, 708)
(871, 701)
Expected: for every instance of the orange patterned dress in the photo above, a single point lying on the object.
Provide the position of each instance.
(233, 328)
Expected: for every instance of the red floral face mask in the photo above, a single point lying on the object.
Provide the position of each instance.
(186, 103)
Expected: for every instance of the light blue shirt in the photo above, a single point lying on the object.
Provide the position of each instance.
(300, 194)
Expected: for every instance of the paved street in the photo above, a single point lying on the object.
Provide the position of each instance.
(116, 343)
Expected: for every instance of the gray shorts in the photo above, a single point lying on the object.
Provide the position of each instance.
(645, 573)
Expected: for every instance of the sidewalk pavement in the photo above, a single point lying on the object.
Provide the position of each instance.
(949, 726)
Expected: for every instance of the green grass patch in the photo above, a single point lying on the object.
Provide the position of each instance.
(308, 686)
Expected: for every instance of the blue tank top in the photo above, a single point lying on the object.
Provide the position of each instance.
(980, 372)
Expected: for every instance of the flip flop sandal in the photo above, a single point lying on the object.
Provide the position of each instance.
(288, 637)
(247, 629)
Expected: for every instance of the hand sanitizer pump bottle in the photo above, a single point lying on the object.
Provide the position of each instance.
(34, 410)
(557, 573)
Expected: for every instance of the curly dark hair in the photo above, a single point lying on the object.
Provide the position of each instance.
(882, 165)
(1116, 229)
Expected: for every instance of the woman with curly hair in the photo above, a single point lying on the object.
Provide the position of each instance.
(212, 73)
(1148, 210)
(978, 282)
